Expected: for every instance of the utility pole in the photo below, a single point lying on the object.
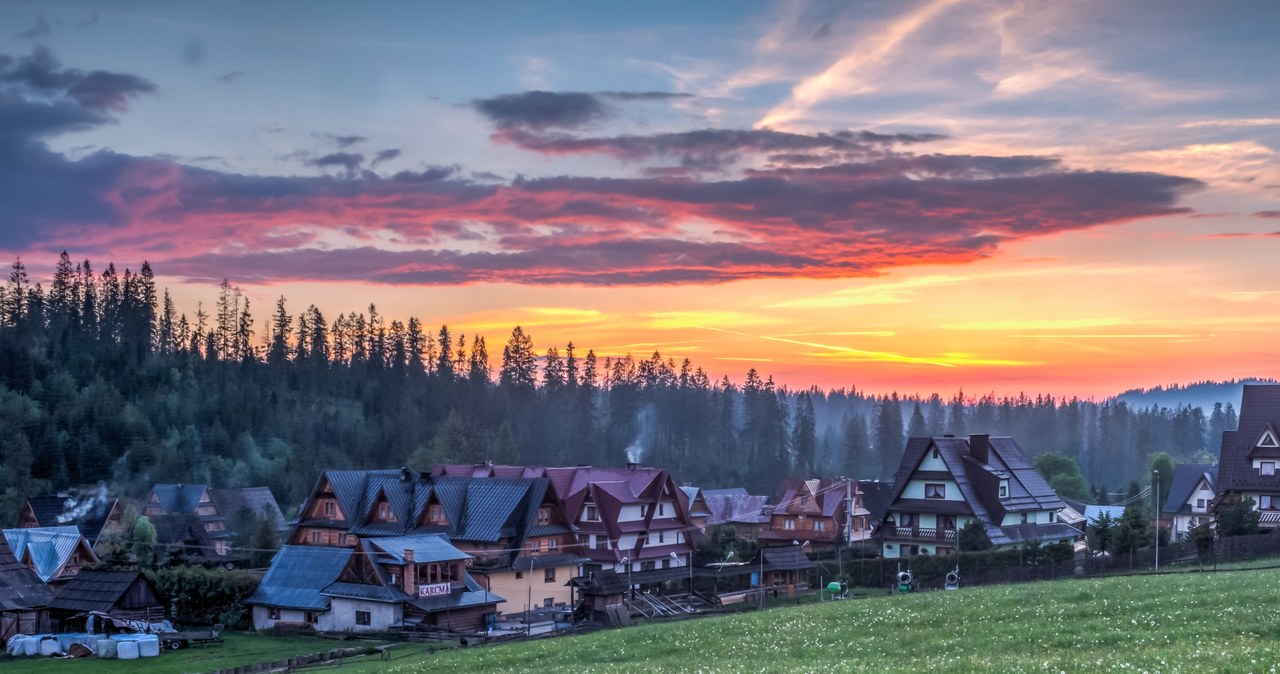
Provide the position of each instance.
(1156, 473)
(848, 522)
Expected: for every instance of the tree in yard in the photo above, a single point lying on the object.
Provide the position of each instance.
(1162, 462)
(973, 537)
(1237, 517)
(1100, 533)
(1063, 475)
(1202, 538)
(144, 541)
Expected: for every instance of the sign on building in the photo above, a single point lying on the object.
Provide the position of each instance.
(435, 590)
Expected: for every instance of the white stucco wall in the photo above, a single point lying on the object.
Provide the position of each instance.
(381, 615)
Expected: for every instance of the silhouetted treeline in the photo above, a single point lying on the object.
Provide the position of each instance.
(102, 379)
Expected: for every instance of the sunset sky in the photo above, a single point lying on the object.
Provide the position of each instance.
(1052, 197)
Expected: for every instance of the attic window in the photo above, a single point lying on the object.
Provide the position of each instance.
(1267, 468)
(593, 515)
(384, 511)
(935, 490)
(1004, 489)
(435, 514)
(544, 516)
(1268, 439)
(329, 508)
(935, 452)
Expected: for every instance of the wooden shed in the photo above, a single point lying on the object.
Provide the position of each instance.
(24, 598)
(122, 595)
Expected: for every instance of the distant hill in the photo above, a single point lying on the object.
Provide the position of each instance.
(1200, 394)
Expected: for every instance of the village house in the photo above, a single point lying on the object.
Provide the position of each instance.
(54, 553)
(512, 526)
(1191, 494)
(820, 513)
(747, 514)
(198, 523)
(97, 515)
(633, 520)
(402, 582)
(1249, 455)
(24, 598)
(944, 483)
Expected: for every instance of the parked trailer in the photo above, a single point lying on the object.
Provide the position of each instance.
(187, 638)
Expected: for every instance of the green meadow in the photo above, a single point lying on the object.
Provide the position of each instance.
(1189, 622)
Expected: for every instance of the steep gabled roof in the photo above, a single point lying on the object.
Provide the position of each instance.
(20, 587)
(298, 575)
(87, 510)
(1186, 477)
(178, 498)
(47, 549)
(1259, 413)
(257, 500)
(735, 506)
(978, 480)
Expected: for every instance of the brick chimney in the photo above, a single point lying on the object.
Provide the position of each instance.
(410, 578)
(979, 446)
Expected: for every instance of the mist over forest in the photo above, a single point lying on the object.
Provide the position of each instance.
(102, 379)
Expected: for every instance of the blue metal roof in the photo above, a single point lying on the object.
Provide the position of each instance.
(426, 548)
(297, 576)
(49, 547)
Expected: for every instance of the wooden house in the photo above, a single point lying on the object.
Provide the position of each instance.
(748, 514)
(112, 596)
(1190, 501)
(24, 598)
(512, 526)
(634, 520)
(404, 582)
(944, 483)
(199, 523)
(786, 569)
(97, 515)
(603, 598)
(1249, 456)
(54, 553)
(819, 512)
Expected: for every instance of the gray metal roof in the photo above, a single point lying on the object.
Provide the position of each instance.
(297, 576)
(1185, 479)
(20, 587)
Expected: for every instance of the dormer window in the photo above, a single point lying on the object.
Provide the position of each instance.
(1004, 489)
(1267, 468)
(384, 511)
(935, 452)
(935, 490)
(592, 514)
(435, 514)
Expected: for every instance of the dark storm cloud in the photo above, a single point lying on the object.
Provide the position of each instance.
(542, 109)
(347, 160)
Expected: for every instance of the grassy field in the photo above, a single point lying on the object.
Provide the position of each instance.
(1227, 622)
(236, 649)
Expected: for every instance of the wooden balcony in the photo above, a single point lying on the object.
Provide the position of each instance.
(924, 534)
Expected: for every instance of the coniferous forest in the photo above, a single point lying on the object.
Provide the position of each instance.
(103, 379)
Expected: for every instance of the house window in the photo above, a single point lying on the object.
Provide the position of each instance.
(644, 510)
(662, 509)
(593, 515)
(1053, 516)
(329, 508)
(317, 537)
(552, 544)
(666, 564)
(549, 575)
(790, 524)
(906, 520)
(273, 613)
(935, 452)
(547, 602)
(935, 490)
(819, 525)
(364, 618)
(1004, 489)
(221, 547)
(946, 522)
(544, 516)
(342, 539)
(1199, 504)
(648, 566)
(662, 538)
(1267, 468)
(384, 511)
(1265, 502)
(312, 617)
(1024, 518)
(435, 514)
(519, 575)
